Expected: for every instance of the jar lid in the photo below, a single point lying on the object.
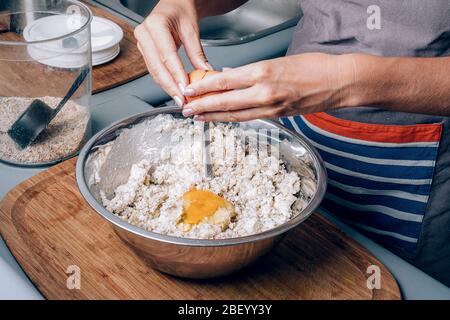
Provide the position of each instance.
(104, 56)
(105, 39)
(53, 27)
(105, 34)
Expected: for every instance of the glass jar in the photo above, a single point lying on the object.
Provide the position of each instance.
(44, 46)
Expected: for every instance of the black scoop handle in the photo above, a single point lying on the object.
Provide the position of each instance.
(76, 84)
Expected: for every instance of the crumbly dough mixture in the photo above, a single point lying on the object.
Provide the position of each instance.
(264, 194)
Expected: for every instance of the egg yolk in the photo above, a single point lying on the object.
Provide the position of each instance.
(200, 204)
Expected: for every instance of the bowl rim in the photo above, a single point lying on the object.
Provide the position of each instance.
(126, 226)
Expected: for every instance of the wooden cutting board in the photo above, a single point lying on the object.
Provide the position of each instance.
(49, 227)
(129, 65)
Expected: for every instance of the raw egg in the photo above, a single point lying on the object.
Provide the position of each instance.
(198, 75)
(201, 205)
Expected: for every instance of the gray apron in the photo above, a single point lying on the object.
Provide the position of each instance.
(389, 172)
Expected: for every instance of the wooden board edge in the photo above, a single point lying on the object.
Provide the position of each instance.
(8, 230)
(120, 83)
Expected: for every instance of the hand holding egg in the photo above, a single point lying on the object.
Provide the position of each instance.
(198, 75)
(292, 85)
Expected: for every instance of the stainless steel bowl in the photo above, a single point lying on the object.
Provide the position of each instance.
(199, 258)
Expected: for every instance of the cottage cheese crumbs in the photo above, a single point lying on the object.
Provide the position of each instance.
(262, 192)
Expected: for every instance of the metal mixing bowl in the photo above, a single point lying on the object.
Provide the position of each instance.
(199, 258)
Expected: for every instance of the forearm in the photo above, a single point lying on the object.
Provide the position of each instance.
(207, 8)
(418, 85)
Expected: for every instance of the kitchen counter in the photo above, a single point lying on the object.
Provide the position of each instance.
(121, 101)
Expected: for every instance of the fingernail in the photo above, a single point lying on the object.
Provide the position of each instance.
(189, 92)
(188, 112)
(199, 118)
(210, 67)
(178, 101)
(181, 87)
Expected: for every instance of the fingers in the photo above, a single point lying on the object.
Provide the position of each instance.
(241, 115)
(168, 54)
(237, 78)
(155, 66)
(227, 101)
(194, 50)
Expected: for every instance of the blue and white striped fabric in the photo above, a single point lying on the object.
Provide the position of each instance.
(379, 176)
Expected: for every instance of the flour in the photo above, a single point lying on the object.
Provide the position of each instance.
(261, 189)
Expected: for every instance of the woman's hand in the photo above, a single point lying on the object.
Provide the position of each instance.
(287, 86)
(171, 24)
